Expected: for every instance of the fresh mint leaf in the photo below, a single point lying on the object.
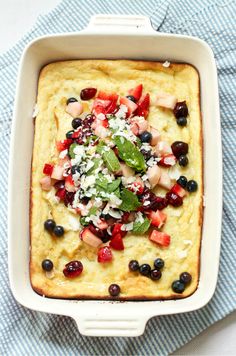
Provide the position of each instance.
(129, 153)
(141, 228)
(71, 150)
(100, 147)
(129, 201)
(96, 162)
(111, 161)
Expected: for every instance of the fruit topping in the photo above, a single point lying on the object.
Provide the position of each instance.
(166, 100)
(174, 199)
(177, 189)
(145, 269)
(49, 225)
(191, 186)
(155, 274)
(178, 287)
(47, 265)
(182, 181)
(64, 144)
(129, 104)
(160, 238)
(133, 266)
(104, 254)
(163, 148)
(116, 242)
(165, 181)
(89, 238)
(71, 100)
(73, 269)
(88, 93)
(181, 121)
(48, 169)
(114, 290)
(136, 92)
(74, 109)
(179, 148)
(159, 263)
(143, 106)
(46, 183)
(57, 172)
(180, 109)
(116, 229)
(61, 193)
(154, 174)
(152, 202)
(76, 123)
(183, 160)
(167, 161)
(156, 136)
(157, 218)
(58, 231)
(69, 184)
(185, 278)
(146, 137)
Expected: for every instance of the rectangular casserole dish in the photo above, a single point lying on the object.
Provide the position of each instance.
(107, 37)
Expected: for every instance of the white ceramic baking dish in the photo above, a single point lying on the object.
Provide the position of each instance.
(112, 37)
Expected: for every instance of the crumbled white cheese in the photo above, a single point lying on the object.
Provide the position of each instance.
(79, 150)
(115, 214)
(114, 201)
(139, 217)
(35, 111)
(63, 154)
(146, 203)
(166, 64)
(182, 254)
(87, 181)
(127, 227)
(98, 202)
(101, 116)
(121, 113)
(152, 162)
(145, 177)
(89, 165)
(127, 180)
(146, 147)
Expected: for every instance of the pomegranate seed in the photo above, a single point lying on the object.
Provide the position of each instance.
(69, 197)
(117, 230)
(104, 254)
(61, 193)
(47, 169)
(88, 93)
(174, 199)
(179, 148)
(154, 201)
(73, 269)
(101, 234)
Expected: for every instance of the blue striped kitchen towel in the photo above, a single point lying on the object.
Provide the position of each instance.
(25, 332)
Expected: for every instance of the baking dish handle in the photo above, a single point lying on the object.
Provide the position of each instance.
(98, 325)
(120, 24)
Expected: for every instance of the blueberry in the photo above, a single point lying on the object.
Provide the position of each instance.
(191, 186)
(185, 278)
(114, 290)
(159, 263)
(183, 160)
(155, 274)
(146, 136)
(49, 225)
(178, 286)
(182, 181)
(131, 97)
(71, 100)
(145, 269)
(181, 121)
(180, 109)
(58, 230)
(134, 265)
(69, 134)
(76, 123)
(47, 265)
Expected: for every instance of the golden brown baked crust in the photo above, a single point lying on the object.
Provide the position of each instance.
(61, 80)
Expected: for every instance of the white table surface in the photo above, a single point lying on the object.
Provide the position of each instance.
(16, 17)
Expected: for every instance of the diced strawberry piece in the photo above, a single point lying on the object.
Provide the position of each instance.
(104, 254)
(157, 218)
(102, 225)
(143, 106)
(117, 230)
(134, 128)
(57, 172)
(107, 96)
(48, 168)
(136, 92)
(160, 238)
(117, 242)
(101, 106)
(168, 161)
(46, 183)
(112, 107)
(177, 189)
(89, 238)
(129, 104)
(63, 145)
(69, 184)
(137, 187)
(76, 134)
(61, 193)
(154, 174)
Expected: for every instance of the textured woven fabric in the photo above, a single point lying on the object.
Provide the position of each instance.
(24, 332)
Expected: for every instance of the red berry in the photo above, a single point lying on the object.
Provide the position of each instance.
(88, 93)
(104, 254)
(161, 238)
(143, 106)
(61, 193)
(73, 269)
(137, 187)
(63, 145)
(117, 242)
(117, 228)
(136, 92)
(174, 199)
(48, 168)
(167, 161)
